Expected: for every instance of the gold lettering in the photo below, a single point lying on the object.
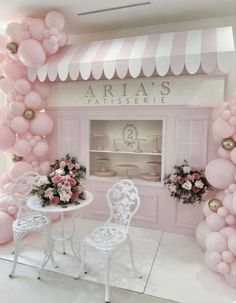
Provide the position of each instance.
(107, 89)
(89, 93)
(165, 90)
(124, 87)
(142, 90)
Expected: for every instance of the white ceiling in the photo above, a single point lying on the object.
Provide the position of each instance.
(159, 11)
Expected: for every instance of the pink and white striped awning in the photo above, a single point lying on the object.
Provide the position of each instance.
(208, 51)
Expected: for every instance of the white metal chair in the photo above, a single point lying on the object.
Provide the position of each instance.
(123, 201)
(29, 221)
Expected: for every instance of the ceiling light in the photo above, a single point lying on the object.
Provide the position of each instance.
(114, 8)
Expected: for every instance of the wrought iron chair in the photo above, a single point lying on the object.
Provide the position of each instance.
(29, 221)
(123, 201)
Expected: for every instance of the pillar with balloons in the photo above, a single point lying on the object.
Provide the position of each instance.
(217, 233)
(25, 125)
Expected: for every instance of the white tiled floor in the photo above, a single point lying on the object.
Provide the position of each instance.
(172, 266)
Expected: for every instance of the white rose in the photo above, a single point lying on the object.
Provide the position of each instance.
(187, 185)
(172, 188)
(60, 171)
(187, 169)
(199, 184)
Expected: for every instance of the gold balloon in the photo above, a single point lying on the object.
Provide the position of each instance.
(228, 143)
(12, 47)
(29, 114)
(16, 158)
(214, 204)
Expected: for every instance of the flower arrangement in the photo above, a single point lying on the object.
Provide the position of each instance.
(62, 186)
(187, 184)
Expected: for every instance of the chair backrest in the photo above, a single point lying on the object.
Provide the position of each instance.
(124, 201)
(22, 188)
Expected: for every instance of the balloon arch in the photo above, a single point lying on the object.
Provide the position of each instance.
(25, 126)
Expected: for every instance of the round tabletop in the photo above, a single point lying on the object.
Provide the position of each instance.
(34, 203)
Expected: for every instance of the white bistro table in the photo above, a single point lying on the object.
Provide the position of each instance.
(34, 203)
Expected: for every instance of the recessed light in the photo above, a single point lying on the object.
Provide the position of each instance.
(114, 8)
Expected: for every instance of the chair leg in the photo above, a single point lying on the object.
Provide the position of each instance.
(82, 269)
(48, 251)
(130, 245)
(17, 242)
(107, 258)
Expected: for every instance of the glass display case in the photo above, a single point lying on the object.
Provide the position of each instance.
(126, 149)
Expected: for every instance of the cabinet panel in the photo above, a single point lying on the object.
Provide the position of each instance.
(191, 140)
(67, 136)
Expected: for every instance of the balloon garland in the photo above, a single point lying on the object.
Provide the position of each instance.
(25, 125)
(217, 233)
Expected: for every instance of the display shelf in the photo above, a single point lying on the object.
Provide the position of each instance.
(124, 152)
(130, 147)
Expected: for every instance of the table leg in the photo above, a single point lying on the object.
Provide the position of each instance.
(74, 240)
(63, 233)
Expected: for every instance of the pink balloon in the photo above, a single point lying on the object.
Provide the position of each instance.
(22, 86)
(36, 28)
(21, 148)
(31, 53)
(231, 276)
(15, 32)
(232, 243)
(55, 19)
(220, 173)
(7, 138)
(41, 149)
(7, 188)
(202, 231)
(227, 256)
(215, 241)
(7, 86)
(13, 71)
(16, 108)
(232, 120)
(63, 39)
(19, 124)
(5, 227)
(233, 155)
(3, 43)
(50, 48)
(205, 208)
(42, 124)
(217, 111)
(212, 259)
(224, 154)
(222, 129)
(227, 231)
(44, 167)
(223, 268)
(230, 219)
(33, 100)
(19, 169)
(43, 89)
(222, 212)
(215, 222)
(226, 114)
(232, 187)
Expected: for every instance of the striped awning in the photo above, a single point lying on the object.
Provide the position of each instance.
(207, 51)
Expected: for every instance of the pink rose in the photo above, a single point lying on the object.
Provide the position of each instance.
(72, 182)
(55, 200)
(197, 176)
(181, 180)
(56, 179)
(195, 189)
(75, 196)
